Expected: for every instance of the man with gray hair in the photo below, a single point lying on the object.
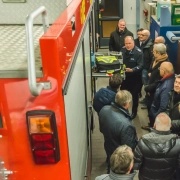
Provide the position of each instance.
(116, 125)
(157, 155)
(121, 163)
(116, 41)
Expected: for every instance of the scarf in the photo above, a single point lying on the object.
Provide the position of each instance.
(159, 59)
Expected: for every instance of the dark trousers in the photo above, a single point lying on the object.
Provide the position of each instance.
(132, 84)
(149, 101)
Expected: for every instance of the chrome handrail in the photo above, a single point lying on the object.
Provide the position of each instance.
(35, 88)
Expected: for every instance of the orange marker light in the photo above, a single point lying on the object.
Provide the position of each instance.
(39, 125)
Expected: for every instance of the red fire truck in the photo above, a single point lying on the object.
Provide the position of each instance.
(45, 91)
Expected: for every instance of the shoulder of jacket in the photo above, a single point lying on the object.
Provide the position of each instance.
(138, 49)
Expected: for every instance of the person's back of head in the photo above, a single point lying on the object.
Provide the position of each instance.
(162, 122)
(159, 39)
(115, 81)
(166, 68)
(122, 159)
(160, 48)
(123, 97)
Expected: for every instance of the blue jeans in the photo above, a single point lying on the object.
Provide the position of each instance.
(145, 77)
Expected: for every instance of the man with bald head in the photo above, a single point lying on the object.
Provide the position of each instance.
(159, 39)
(157, 155)
(146, 47)
(162, 95)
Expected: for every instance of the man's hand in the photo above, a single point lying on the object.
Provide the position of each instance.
(129, 70)
(179, 108)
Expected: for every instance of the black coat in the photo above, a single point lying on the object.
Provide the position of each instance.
(154, 78)
(172, 108)
(147, 48)
(133, 59)
(157, 156)
(173, 112)
(137, 42)
(116, 41)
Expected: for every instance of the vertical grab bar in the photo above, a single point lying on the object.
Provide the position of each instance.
(35, 88)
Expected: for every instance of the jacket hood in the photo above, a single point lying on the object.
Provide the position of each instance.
(148, 43)
(164, 79)
(114, 176)
(124, 111)
(160, 142)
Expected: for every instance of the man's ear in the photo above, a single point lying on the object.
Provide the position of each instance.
(130, 167)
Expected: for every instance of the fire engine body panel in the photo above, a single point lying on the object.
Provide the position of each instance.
(63, 65)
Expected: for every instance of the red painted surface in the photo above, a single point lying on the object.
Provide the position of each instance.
(57, 49)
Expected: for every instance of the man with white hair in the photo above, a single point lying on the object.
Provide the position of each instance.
(157, 155)
(160, 56)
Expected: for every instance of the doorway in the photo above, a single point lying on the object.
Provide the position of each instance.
(108, 14)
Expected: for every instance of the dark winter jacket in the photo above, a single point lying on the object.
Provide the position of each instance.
(161, 96)
(157, 156)
(147, 48)
(172, 108)
(154, 78)
(103, 97)
(173, 111)
(114, 176)
(137, 42)
(117, 128)
(116, 41)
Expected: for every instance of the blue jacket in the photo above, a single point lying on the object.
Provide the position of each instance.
(161, 97)
(117, 128)
(103, 97)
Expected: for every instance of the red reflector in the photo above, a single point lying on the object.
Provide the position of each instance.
(44, 157)
(43, 136)
(42, 141)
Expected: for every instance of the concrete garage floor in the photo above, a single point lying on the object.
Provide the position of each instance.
(98, 152)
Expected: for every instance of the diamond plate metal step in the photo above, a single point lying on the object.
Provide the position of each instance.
(13, 54)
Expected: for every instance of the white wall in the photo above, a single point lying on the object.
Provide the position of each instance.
(143, 5)
(129, 14)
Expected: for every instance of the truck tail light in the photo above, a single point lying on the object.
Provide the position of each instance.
(43, 136)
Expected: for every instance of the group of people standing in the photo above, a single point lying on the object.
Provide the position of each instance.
(157, 154)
